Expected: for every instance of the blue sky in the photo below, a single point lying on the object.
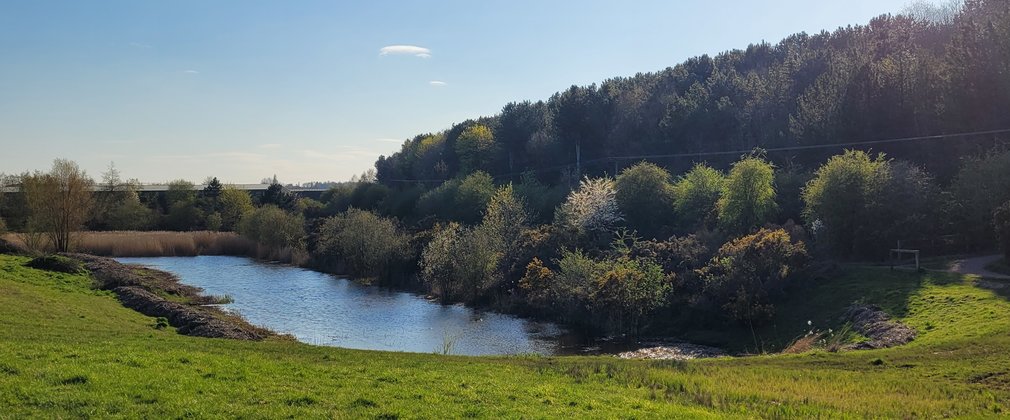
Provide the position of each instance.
(246, 89)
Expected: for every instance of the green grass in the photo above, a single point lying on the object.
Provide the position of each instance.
(67, 350)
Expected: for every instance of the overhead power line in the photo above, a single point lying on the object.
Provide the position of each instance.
(733, 152)
(807, 147)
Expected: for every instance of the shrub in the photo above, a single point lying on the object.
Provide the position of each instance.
(747, 273)
(214, 222)
(183, 216)
(982, 185)
(460, 264)
(645, 195)
(437, 260)
(56, 263)
(839, 195)
(748, 198)
(591, 208)
(696, 194)
(368, 245)
(627, 291)
(131, 214)
(613, 294)
(234, 204)
(861, 206)
(675, 255)
(274, 228)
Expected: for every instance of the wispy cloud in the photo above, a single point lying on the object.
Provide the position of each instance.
(390, 140)
(191, 72)
(405, 50)
(437, 83)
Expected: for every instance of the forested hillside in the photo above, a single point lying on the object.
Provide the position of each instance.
(922, 73)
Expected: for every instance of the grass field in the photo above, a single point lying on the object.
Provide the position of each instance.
(67, 350)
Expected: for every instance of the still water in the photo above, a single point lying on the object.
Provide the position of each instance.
(330, 310)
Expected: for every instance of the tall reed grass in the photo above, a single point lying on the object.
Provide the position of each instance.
(174, 244)
(164, 244)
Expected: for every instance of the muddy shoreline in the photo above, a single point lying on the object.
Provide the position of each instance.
(160, 294)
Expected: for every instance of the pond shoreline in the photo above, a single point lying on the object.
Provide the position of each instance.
(147, 290)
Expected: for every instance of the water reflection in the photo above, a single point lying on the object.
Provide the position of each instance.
(328, 310)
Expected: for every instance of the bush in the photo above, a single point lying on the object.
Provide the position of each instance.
(676, 255)
(695, 196)
(747, 274)
(840, 194)
(748, 198)
(982, 185)
(861, 206)
(274, 228)
(460, 264)
(645, 195)
(612, 294)
(57, 263)
(592, 208)
(626, 292)
(366, 244)
(214, 222)
(183, 216)
(6, 247)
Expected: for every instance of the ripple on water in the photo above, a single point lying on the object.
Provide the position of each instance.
(329, 310)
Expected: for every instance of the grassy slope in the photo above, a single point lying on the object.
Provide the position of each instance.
(69, 351)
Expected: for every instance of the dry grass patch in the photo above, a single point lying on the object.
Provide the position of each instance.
(159, 244)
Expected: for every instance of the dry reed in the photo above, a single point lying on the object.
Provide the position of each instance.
(160, 244)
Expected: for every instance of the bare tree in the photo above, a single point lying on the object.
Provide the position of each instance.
(60, 202)
(942, 12)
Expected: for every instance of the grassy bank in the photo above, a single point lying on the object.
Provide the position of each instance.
(67, 350)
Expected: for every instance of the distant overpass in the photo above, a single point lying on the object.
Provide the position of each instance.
(255, 190)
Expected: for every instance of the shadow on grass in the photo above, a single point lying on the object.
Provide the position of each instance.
(819, 304)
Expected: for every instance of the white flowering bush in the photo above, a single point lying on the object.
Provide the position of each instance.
(593, 207)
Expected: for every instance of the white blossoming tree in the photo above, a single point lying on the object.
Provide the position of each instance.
(591, 208)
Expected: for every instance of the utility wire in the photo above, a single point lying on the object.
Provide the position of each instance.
(731, 152)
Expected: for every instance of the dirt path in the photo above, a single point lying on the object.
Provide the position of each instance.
(976, 266)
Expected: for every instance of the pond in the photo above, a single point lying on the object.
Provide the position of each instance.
(323, 309)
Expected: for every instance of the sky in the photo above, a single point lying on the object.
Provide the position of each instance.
(317, 90)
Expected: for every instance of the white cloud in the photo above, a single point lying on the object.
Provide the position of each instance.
(437, 83)
(405, 50)
(390, 140)
(191, 72)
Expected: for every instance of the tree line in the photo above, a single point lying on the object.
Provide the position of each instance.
(927, 71)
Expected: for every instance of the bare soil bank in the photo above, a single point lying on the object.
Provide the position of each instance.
(160, 294)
